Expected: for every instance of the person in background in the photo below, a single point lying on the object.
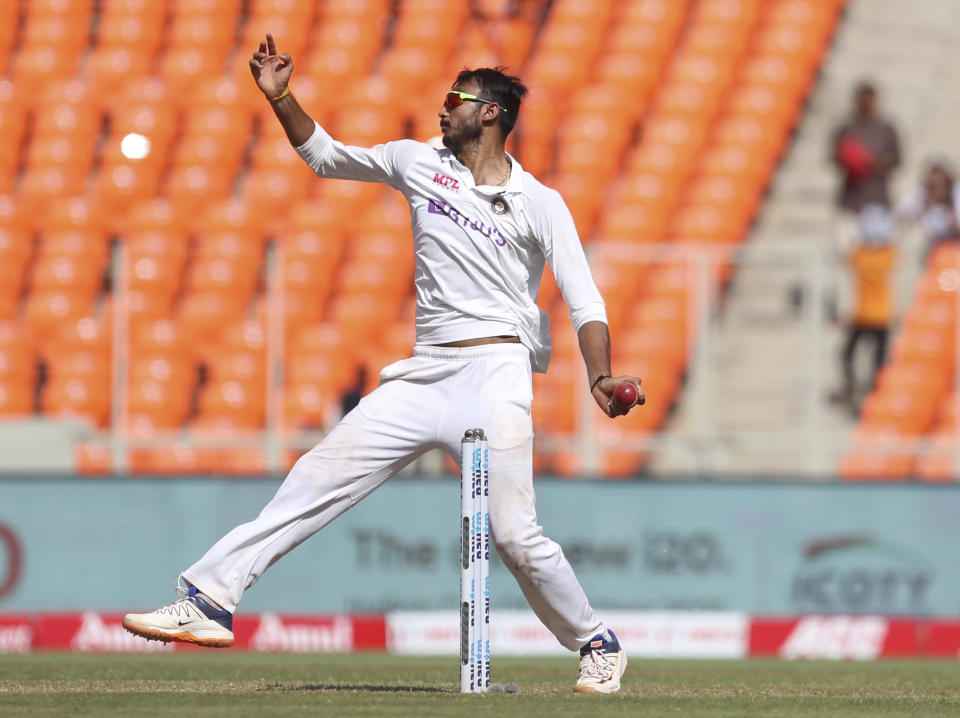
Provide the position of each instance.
(935, 204)
(872, 262)
(866, 149)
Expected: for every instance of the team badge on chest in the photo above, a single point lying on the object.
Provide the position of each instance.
(498, 205)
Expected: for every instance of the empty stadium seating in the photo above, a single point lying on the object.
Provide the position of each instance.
(135, 124)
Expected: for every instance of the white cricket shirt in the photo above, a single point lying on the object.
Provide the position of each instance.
(479, 250)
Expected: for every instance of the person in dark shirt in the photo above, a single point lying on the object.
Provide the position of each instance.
(867, 150)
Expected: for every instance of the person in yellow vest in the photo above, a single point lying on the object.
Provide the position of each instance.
(872, 261)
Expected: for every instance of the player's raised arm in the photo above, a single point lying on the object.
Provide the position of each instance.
(272, 73)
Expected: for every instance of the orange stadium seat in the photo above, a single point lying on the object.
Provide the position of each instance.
(321, 338)
(750, 132)
(205, 31)
(154, 275)
(276, 151)
(666, 158)
(136, 31)
(247, 366)
(167, 400)
(38, 65)
(238, 245)
(688, 100)
(68, 34)
(775, 70)
(864, 466)
(309, 405)
(237, 95)
(161, 334)
(231, 215)
(86, 333)
(554, 73)
(80, 274)
(634, 72)
(16, 247)
(928, 345)
(235, 277)
(948, 411)
(646, 188)
(150, 11)
(182, 68)
(190, 187)
(245, 335)
(70, 242)
(360, 316)
(741, 12)
(40, 186)
(703, 69)
(46, 313)
(220, 121)
(51, 151)
(76, 396)
(242, 399)
(9, 26)
(373, 277)
(156, 214)
(16, 399)
(914, 378)
(198, 315)
(18, 364)
(120, 185)
(572, 35)
(635, 222)
(331, 373)
(273, 190)
(208, 149)
(909, 411)
(301, 9)
(69, 119)
(112, 67)
(291, 33)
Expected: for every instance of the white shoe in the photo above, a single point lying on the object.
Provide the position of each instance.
(190, 619)
(602, 662)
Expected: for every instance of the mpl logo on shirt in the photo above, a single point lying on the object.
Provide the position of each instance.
(446, 182)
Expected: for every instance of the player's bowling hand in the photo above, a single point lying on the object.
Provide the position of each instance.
(617, 395)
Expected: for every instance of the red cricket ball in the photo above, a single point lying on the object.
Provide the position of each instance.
(625, 395)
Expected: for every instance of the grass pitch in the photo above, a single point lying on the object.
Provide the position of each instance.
(218, 683)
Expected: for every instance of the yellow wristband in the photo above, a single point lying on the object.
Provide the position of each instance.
(286, 91)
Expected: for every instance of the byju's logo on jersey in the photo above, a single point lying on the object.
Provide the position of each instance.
(440, 207)
(446, 182)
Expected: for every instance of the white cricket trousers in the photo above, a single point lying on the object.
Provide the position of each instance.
(421, 403)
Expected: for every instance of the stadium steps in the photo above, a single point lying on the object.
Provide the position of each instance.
(758, 335)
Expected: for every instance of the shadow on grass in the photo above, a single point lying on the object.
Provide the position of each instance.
(357, 687)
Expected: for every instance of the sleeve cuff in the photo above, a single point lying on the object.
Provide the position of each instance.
(311, 150)
(594, 312)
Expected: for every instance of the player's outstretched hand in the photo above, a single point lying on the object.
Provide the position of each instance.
(270, 70)
(611, 401)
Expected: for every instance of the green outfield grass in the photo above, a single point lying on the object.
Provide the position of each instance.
(221, 683)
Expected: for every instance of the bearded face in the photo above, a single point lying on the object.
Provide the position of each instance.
(461, 127)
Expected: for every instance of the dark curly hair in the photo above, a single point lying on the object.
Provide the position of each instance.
(494, 84)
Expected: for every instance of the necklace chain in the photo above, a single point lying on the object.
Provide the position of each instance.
(506, 174)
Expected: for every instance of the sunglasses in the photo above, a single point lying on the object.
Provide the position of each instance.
(455, 98)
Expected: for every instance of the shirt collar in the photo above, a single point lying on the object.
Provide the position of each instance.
(514, 182)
